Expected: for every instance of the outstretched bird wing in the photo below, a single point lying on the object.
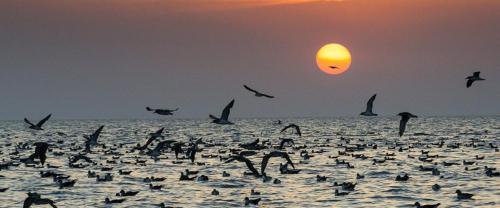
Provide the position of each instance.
(263, 165)
(160, 131)
(39, 124)
(369, 105)
(297, 128)
(149, 109)
(250, 89)
(97, 132)
(476, 74)
(402, 124)
(469, 82)
(282, 143)
(28, 202)
(28, 122)
(212, 117)
(266, 95)
(227, 110)
(287, 157)
(249, 163)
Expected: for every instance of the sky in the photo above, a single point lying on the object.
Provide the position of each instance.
(85, 59)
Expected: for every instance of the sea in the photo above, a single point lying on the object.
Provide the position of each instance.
(428, 142)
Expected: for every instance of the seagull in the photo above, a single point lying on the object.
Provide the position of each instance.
(241, 158)
(369, 107)
(114, 201)
(418, 205)
(473, 78)
(224, 116)
(461, 195)
(152, 137)
(333, 67)
(257, 93)
(163, 112)
(284, 141)
(297, 129)
(266, 158)
(38, 126)
(251, 201)
(92, 139)
(35, 198)
(156, 152)
(405, 116)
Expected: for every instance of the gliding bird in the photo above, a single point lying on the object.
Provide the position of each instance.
(38, 126)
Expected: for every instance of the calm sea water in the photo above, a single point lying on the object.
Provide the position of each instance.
(377, 189)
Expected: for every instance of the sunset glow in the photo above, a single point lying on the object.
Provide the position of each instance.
(333, 59)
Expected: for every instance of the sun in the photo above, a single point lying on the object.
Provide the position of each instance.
(333, 59)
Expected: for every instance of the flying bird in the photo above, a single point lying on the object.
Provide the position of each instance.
(369, 107)
(152, 137)
(284, 141)
(241, 158)
(38, 126)
(164, 112)
(224, 116)
(297, 129)
(473, 78)
(266, 158)
(257, 93)
(333, 67)
(91, 140)
(405, 116)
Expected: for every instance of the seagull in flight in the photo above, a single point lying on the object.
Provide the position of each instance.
(224, 116)
(266, 158)
(473, 78)
(152, 137)
(257, 93)
(164, 112)
(297, 129)
(333, 67)
(369, 107)
(92, 139)
(405, 116)
(38, 126)
(242, 158)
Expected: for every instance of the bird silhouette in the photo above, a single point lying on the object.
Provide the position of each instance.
(152, 137)
(257, 93)
(164, 112)
(38, 126)
(405, 116)
(224, 116)
(241, 158)
(369, 107)
(266, 158)
(473, 78)
(35, 199)
(297, 129)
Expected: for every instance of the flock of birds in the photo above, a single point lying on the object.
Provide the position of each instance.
(189, 150)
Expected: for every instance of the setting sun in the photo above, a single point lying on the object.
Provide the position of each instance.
(333, 58)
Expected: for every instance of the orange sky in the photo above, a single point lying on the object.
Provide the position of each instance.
(134, 50)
